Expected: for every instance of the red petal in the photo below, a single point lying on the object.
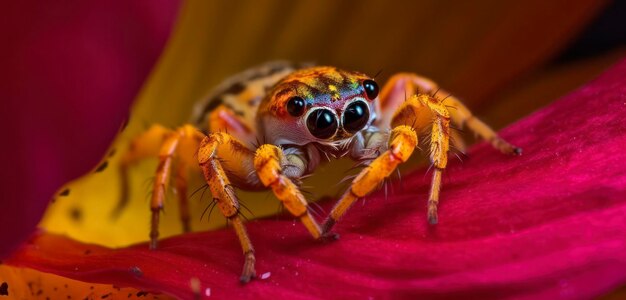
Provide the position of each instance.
(547, 224)
(69, 73)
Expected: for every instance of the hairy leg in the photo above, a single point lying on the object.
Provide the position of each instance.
(142, 146)
(268, 162)
(411, 102)
(462, 117)
(221, 151)
(169, 151)
(439, 138)
(402, 86)
(402, 142)
(223, 193)
(162, 143)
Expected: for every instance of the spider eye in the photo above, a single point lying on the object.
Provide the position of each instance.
(371, 89)
(356, 116)
(295, 106)
(322, 123)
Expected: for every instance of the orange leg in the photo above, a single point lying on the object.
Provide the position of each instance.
(462, 117)
(161, 182)
(267, 162)
(403, 85)
(180, 146)
(144, 145)
(439, 117)
(439, 147)
(164, 144)
(223, 192)
(407, 101)
(402, 142)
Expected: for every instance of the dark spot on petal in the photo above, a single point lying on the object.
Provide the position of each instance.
(4, 289)
(136, 271)
(76, 214)
(65, 192)
(65, 285)
(39, 292)
(102, 166)
(87, 252)
(141, 293)
(106, 296)
(130, 295)
(112, 152)
(124, 124)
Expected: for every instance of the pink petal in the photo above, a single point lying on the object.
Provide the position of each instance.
(69, 72)
(549, 224)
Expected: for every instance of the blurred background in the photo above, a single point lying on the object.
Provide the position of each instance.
(72, 69)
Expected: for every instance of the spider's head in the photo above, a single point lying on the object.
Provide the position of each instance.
(324, 105)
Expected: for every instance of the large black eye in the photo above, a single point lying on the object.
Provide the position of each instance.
(356, 116)
(371, 89)
(322, 123)
(295, 106)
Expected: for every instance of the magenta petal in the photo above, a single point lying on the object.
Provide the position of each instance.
(70, 70)
(548, 224)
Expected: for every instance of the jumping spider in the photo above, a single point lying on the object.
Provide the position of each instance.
(302, 114)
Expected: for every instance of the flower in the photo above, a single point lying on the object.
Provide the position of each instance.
(69, 81)
(548, 224)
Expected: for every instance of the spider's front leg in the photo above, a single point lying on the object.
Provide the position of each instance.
(403, 85)
(416, 114)
(420, 111)
(269, 162)
(402, 142)
(432, 105)
(222, 189)
(220, 151)
(413, 115)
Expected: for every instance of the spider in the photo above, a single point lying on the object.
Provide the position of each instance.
(302, 114)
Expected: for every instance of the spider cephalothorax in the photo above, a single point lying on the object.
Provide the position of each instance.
(321, 105)
(269, 126)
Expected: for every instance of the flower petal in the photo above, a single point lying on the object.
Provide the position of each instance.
(23, 283)
(452, 44)
(547, 224)
(69, 72)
